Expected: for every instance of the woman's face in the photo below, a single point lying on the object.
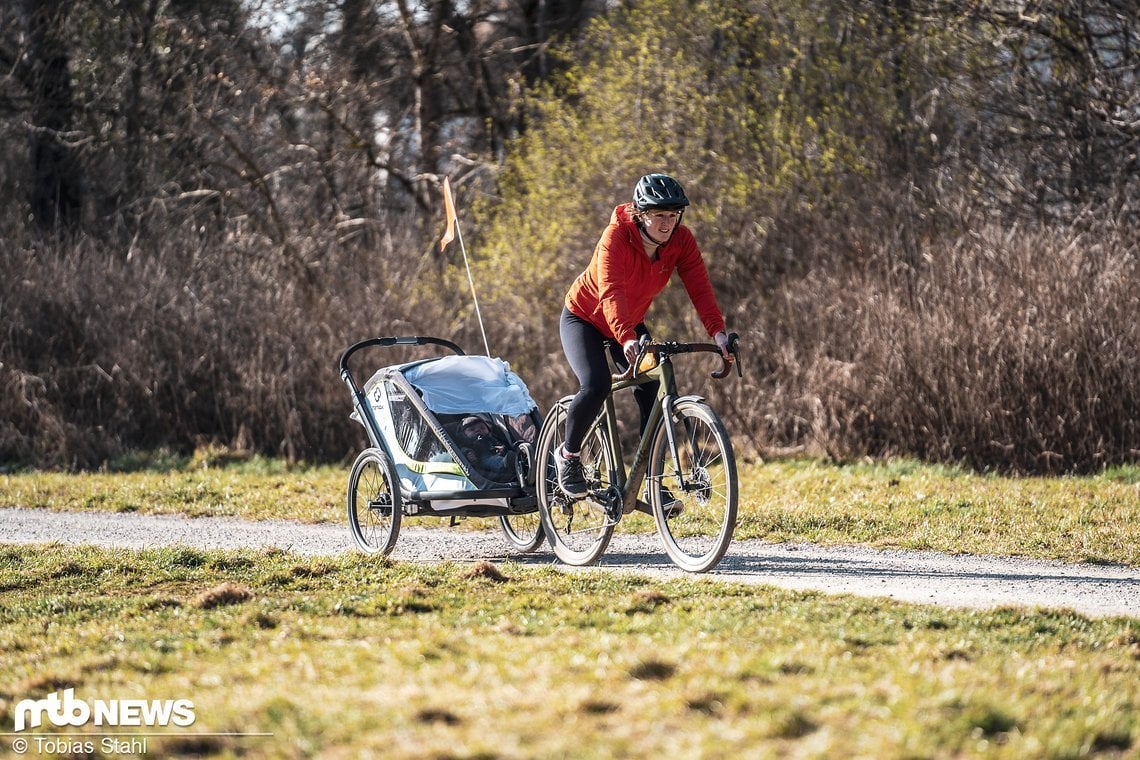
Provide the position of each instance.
(659, 224)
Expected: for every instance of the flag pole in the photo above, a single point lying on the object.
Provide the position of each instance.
(450, 234)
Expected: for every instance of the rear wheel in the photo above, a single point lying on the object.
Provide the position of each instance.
(374, 504)
(579, 530)
(523, 532)
(702, 479)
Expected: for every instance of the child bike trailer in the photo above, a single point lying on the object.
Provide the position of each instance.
(449, 436)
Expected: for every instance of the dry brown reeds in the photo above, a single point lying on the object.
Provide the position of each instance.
(1009, 349)
(1004, 348)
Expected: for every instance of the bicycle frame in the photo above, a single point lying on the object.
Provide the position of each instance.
(629, 481)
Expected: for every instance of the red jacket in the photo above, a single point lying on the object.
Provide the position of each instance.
(618, 286)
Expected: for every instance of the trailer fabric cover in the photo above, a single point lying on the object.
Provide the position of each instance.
(470, 384)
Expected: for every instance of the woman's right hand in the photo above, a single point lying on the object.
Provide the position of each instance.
(631, 348)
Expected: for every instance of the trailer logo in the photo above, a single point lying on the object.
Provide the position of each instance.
(69, 711)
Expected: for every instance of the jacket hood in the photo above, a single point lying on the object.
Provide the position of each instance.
(622, 214)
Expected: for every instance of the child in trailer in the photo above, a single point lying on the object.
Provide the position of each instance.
(480, 446)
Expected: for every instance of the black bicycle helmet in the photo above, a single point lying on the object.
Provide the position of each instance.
(659, 191)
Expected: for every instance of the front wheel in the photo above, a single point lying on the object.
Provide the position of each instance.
(579, 530)
(374, 504)
(701, 477)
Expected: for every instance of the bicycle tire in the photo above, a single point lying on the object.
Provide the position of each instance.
(697, 537)
(374, 503)
(579, 530)
(523, 532)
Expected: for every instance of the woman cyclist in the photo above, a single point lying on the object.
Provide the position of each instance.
(604, 310)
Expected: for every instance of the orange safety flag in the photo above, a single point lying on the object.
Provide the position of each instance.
(449, 208)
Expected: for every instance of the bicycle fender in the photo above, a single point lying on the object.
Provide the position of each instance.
(689, 397)
(669, 402)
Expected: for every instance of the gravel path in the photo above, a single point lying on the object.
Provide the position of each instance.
(921, 577)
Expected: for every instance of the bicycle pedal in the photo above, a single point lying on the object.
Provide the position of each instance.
(562, 503)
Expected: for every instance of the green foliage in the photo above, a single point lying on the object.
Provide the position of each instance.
(749, 108)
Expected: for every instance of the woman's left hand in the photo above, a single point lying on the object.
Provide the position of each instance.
(721, 339)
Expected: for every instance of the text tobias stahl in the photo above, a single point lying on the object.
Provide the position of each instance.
(69, 711)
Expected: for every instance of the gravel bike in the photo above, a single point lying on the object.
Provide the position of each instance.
(684, 452)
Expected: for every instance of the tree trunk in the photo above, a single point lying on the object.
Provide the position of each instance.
(56, 195)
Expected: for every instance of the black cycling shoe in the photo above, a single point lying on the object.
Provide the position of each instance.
(571, 476)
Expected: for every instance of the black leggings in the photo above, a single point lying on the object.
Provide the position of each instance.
(586, 349)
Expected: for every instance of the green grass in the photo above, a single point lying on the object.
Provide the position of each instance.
(896, 504)
(350, 656)
(266, 491)
(908, 505)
